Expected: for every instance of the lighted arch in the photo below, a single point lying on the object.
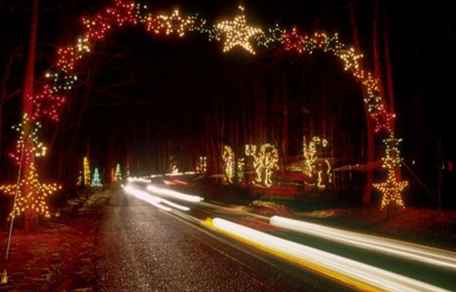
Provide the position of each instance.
(50, 99)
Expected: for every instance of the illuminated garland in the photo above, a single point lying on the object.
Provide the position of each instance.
(265, 162)
(228, 164)
(27, 152)
(61, 78)
(30, 193)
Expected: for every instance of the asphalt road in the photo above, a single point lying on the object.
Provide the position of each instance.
(144, 249)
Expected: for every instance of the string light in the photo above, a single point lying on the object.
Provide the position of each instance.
(170, 24)
(30, 193)
(238, 33)
(118, 173)
(265, 162)
(47, 105)
(27, 133)
(240, 169)
(49, 101)
(96, 180)
(201, 166)
(314, 167)
(86, 171)
(228, 159)
(391, 190)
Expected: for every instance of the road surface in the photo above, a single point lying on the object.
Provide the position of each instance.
(142, 248)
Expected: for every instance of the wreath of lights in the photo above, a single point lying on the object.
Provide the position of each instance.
(63, 75)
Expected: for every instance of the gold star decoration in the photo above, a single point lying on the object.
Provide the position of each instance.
(391, 190)
(30, 194)
(237, 32)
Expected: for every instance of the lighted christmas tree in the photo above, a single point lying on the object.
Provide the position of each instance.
(96, 180)
(118, 173)
(86, 171)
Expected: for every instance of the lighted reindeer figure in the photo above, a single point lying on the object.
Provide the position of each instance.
(265, 162)
(314, 167)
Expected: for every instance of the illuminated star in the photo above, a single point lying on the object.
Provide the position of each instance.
(238, 33)
(391, 190)
(30, 194)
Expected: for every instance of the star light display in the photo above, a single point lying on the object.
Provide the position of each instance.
(265, 162)
(238, 33)
(391, 190)
(59, 80)
(228, 164)
(170, 24)
(30, 194)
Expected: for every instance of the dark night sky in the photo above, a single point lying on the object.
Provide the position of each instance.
(166, 87)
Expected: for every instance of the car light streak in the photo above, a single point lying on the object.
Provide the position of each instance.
(143, 196)
(174, 194)
(398, 248)
(138, 179)
(353, 273)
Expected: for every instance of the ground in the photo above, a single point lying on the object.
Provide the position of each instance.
(111, 242)
(60, 254)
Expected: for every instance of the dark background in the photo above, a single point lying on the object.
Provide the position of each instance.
(143, 99)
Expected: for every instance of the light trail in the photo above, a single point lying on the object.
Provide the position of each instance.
(144, 196)
(174, 194)
(353, 273)
(407, 250)
(138, 179)
(153, 200)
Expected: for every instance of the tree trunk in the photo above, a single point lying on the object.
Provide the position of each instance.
(370, 157)
(30, 216)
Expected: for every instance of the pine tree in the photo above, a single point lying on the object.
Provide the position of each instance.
(96, 180)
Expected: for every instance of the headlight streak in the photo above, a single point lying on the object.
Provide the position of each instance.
(138, 179)
(398, 248)
(332, 265)
(174, 194)
(144, 196)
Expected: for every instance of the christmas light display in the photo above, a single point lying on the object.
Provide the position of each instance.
(170, 24)
(238, 33)
(96, 180)
(28, 133)
(228, 164)
(240, 166)
(59, 80)
(86, 171)
(201, 166)
(391, 190)
(265, 162)
(316, 169)
(30, 193)
(118, 173)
